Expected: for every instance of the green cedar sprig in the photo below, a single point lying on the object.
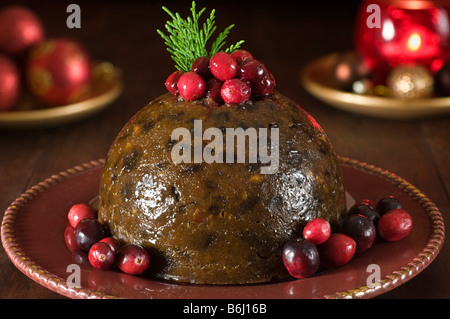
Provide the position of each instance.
(186, 41)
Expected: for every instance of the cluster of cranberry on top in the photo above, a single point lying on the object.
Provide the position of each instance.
(223, 78)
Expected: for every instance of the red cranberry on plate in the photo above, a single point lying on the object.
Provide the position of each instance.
(338, 250)
(388, 203)
(361, 229)
(115, 245)
(301, 258)
(79, 212)
(69, 237)
(394, 225)
(101, 255)
(88, 232)
(317, 230)
(366, 208)
(132, 259)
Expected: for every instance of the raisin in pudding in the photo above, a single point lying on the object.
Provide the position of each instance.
(220, 221)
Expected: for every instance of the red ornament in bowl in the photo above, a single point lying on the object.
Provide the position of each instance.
(20, 28)
(389, 33)
(9, 83)
(58, 71)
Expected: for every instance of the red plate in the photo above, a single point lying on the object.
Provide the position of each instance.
(34, 224)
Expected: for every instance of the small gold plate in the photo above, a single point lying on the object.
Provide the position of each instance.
(316, 79)
(106, 87)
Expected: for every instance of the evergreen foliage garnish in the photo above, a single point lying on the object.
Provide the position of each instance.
(186, 41)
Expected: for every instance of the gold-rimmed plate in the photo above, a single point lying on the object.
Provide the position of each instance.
(317, 79)
(106, 87)
(33, 226)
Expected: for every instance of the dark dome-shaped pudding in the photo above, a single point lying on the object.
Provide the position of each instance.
(216, 176)
(218, 223)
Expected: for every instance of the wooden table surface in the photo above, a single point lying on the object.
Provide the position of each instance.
(283, 35)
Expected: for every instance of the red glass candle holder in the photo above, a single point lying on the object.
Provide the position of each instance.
(389, 33)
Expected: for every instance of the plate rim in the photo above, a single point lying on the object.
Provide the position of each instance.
(377, 106)
(57, 284)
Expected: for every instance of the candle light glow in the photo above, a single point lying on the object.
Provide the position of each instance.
(409, 34)
(414, 42)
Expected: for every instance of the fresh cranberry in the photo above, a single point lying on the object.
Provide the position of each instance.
(79, 212)
(361, 229)
(338, 250)
(88, 232)
(80, 257)
(241, 55)
(101, 255)
(235, 91)
(191, 86)
(252, 70)
(213, 87)
(132, 259)
(394, 225)
(365, 201)
(201, 66)
(301, 258)
(115, 245)
(317, 230)
(366, 208)
(223, 66)
(69, 237)
(172, 82)
(266, 85)
(388, 203)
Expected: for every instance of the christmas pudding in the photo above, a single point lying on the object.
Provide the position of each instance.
(215, 176)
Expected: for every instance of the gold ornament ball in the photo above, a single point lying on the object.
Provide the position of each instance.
(410, 82)
(363, 86)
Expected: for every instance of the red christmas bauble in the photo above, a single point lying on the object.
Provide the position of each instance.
(20, 28)
(9, 83)
(58, 71)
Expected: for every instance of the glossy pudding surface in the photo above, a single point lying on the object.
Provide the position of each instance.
(218, 223)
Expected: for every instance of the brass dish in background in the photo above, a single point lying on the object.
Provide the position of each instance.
(316, 79)
(106, 87)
